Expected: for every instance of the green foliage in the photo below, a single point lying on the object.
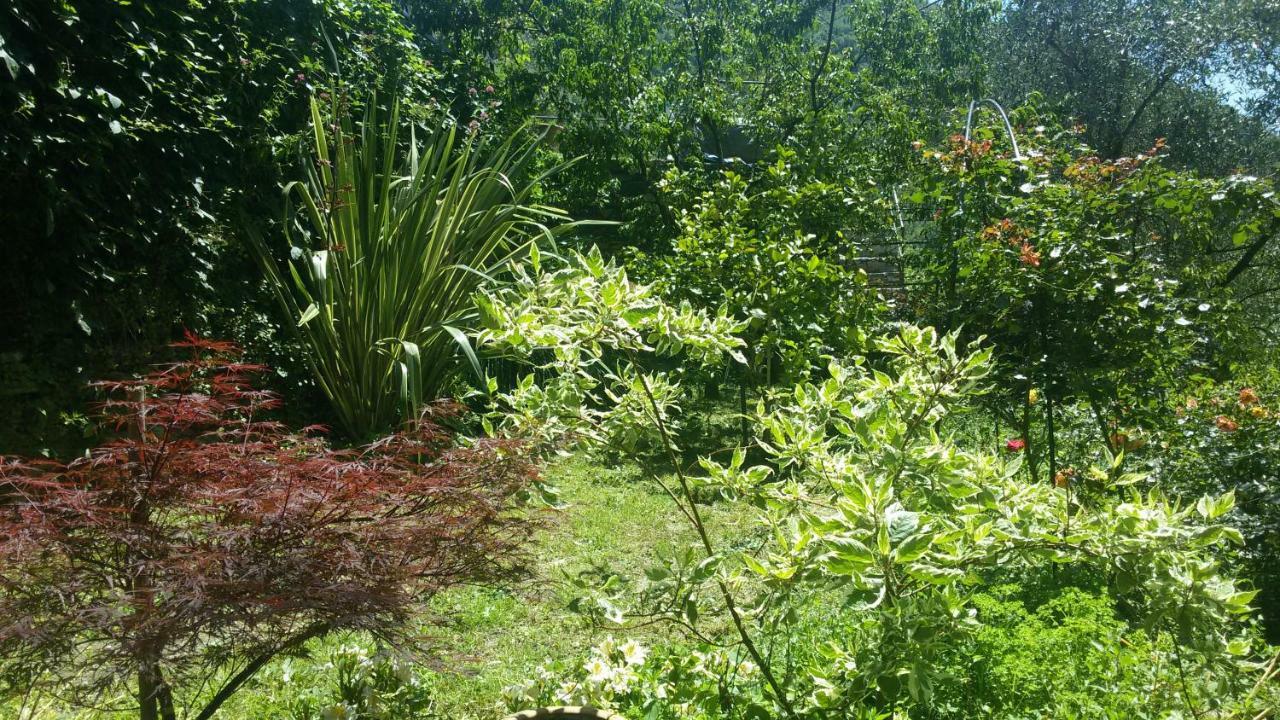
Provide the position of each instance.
(886, 557)
(774, 254)
(1071, 656)
(1106, 282)
(128, 126)
(563, 318)
(862, 499)
(655, 683)
(901, 520)
(380, 686)
(1136, 72)
(644, 85)
(1227, 437)
(388, 248)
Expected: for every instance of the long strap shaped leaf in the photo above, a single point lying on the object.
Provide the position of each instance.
(389, 235)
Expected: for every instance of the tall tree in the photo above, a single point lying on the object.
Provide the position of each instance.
(1135, 71)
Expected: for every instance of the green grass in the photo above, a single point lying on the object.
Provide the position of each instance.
(614, 519)
(480, 640)
(486, 639)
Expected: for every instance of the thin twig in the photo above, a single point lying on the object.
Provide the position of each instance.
(696, 518)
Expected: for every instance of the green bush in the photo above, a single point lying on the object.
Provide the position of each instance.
(387, 241)
(1072, 656)
(128, 127)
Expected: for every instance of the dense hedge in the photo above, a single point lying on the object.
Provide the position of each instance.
(128, 127)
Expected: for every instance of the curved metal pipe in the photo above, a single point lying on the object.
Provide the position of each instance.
(1008, 127)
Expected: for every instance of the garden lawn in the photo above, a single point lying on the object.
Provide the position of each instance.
(484, 639)
(615, 521)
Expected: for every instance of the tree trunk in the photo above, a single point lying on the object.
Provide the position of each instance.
(165, 697)
(1052, 437)
(155, 698)
(1033, 465)
(148, 707)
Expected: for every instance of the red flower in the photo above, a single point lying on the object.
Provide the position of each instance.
(1226, 424)
(1014, 445)
(489, 89)
(1248, 397)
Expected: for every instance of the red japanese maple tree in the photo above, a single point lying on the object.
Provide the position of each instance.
(206, 539)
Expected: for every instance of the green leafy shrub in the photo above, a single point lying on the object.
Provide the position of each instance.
(861, 502)
(356, 683)
(774, 253)
(1099, 282)
(675, 682)
(1072, 656)
(1226, 437)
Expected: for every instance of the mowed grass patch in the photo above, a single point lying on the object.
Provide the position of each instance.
(615, 520)
(478, 641)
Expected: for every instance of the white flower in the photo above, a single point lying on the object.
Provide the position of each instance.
(519, 694)
(341, 711)
(598, 671)
(634, 653)
(622, 679)
(607, 646)
(566, 692)
(613, 615)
